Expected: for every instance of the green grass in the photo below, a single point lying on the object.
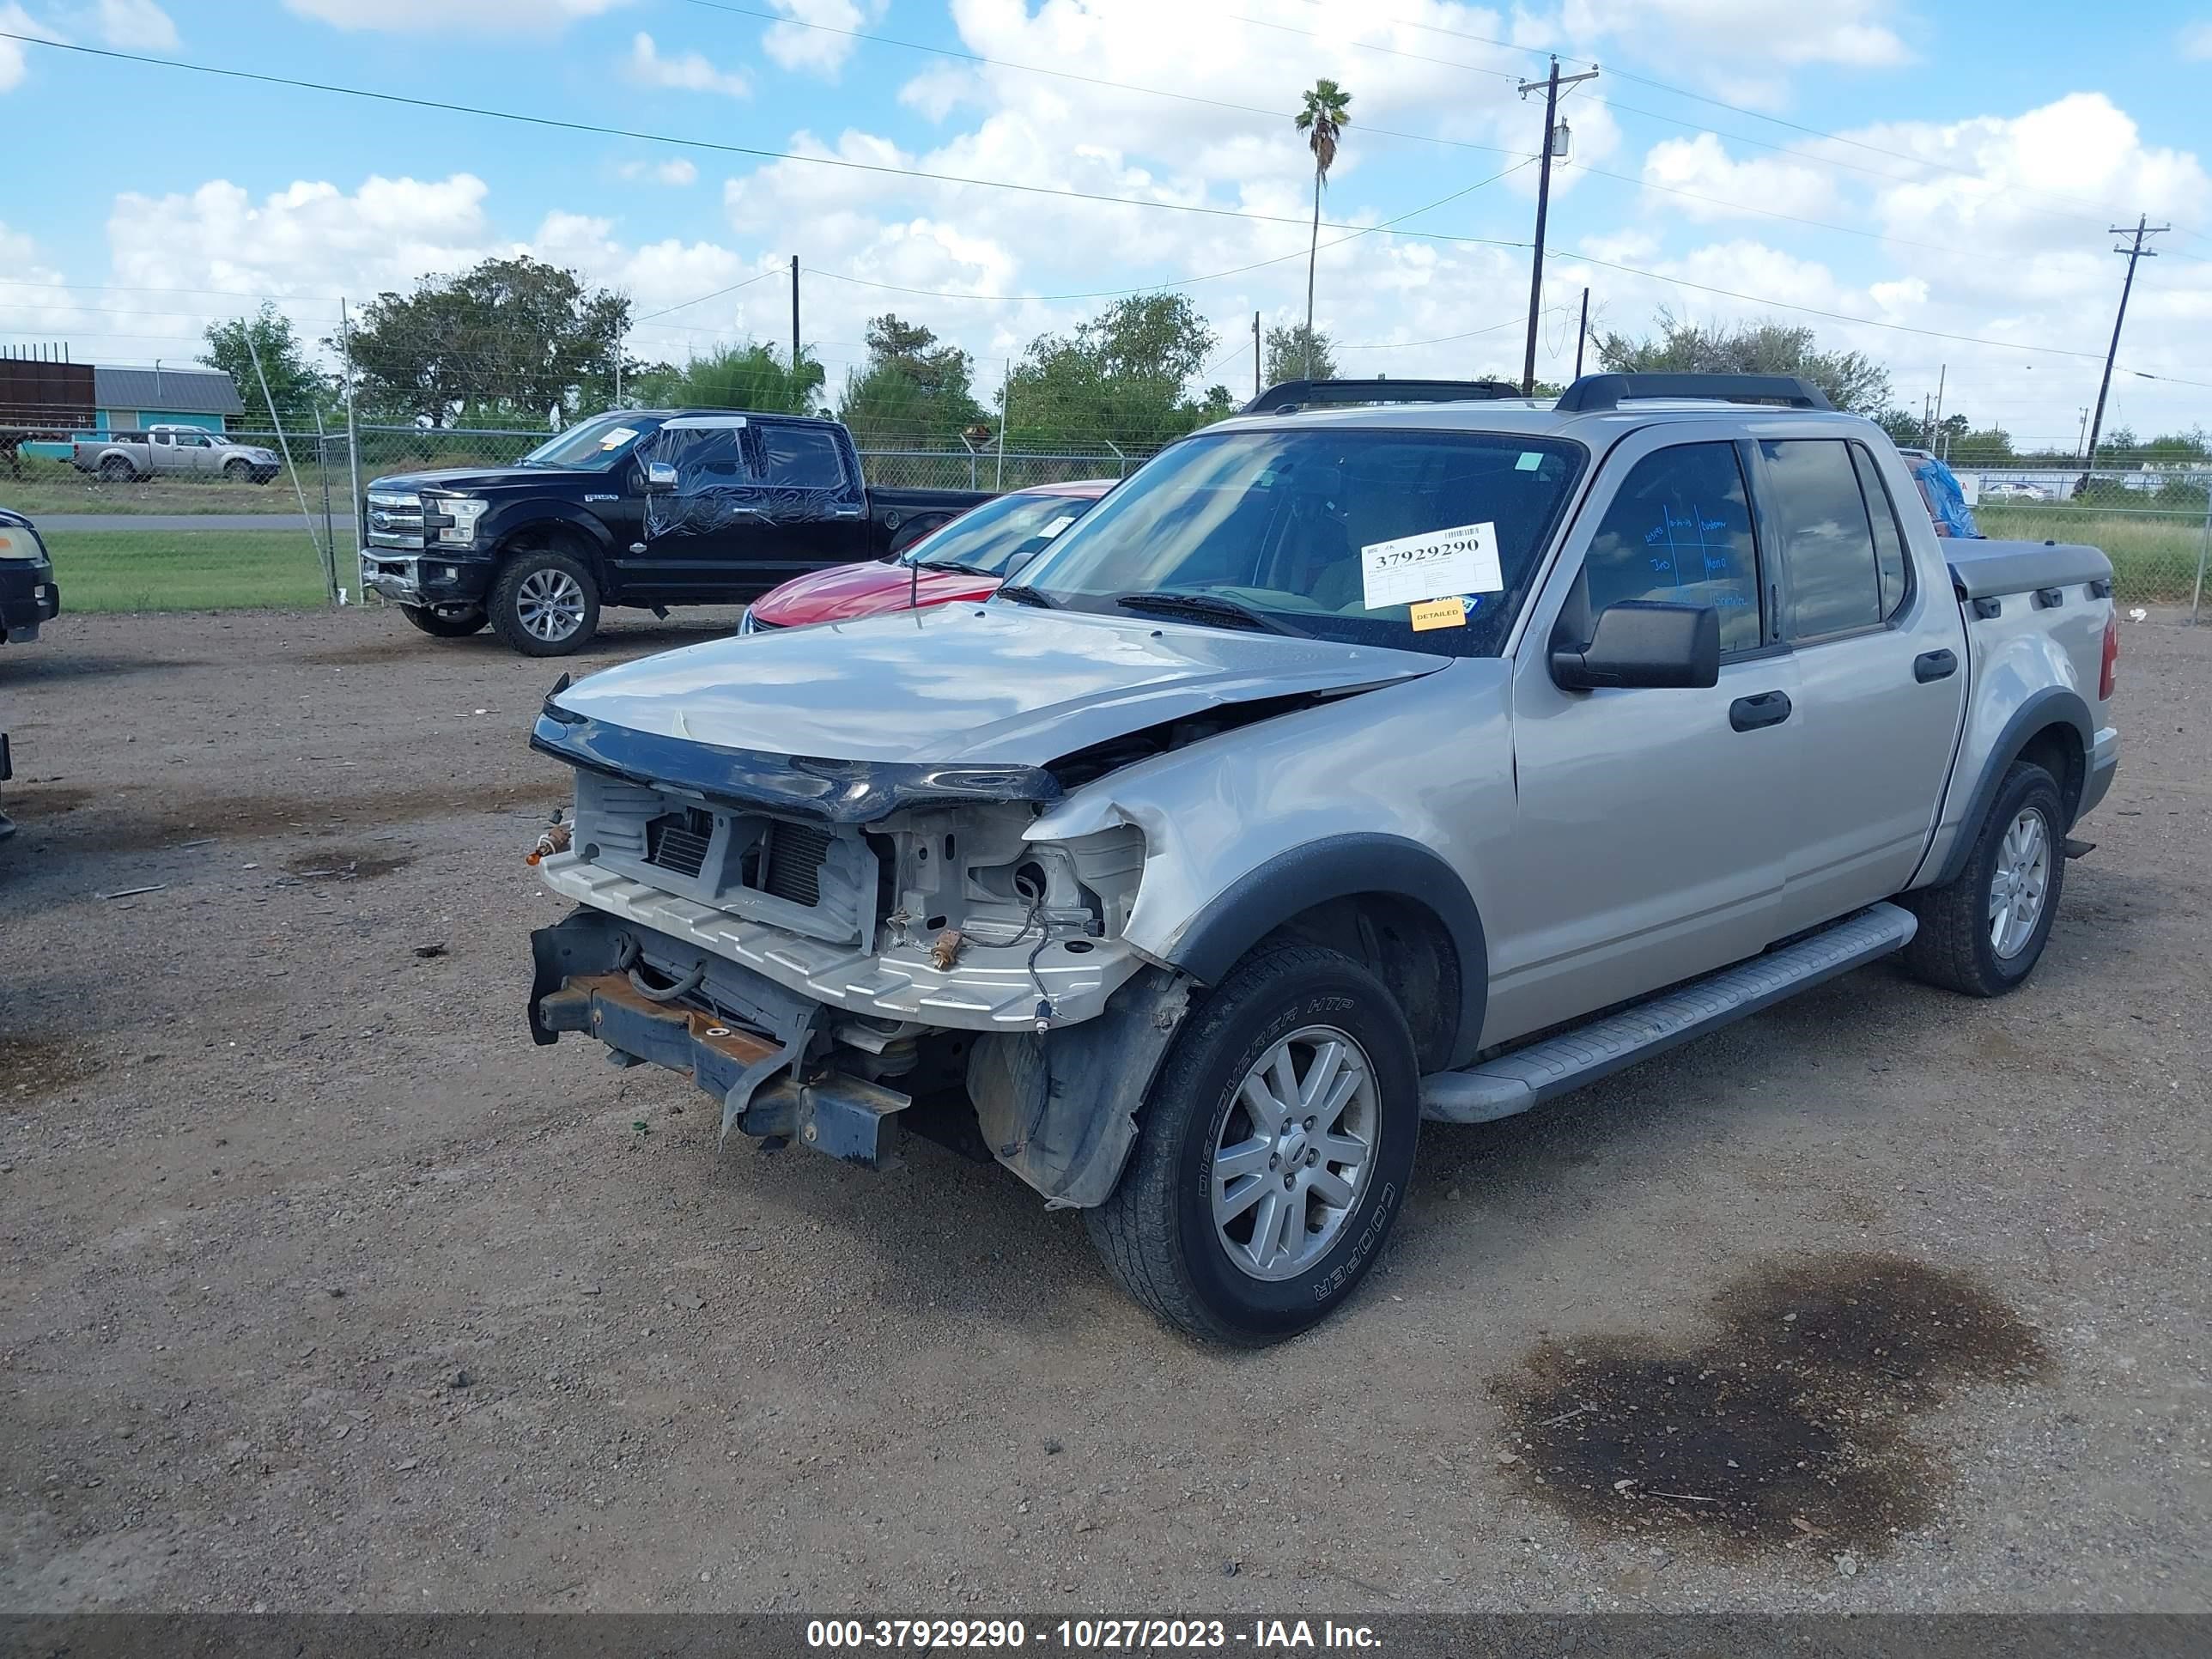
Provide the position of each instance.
(48, 487)
(2154, 554)
(189, 570)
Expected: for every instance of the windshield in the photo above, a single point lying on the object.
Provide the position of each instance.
(990, 538)
(593, 446)
(1424, 540)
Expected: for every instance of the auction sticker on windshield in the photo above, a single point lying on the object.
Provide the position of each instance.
(1414, 568)
(617, 438)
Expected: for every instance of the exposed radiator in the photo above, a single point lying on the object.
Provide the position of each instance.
(795, 852)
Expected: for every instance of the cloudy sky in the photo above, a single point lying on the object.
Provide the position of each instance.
(995, 168)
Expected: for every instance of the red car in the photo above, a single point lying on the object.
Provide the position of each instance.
(965, 559)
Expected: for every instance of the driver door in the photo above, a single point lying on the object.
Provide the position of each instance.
(1652, 824)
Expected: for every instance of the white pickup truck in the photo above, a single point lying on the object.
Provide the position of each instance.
(1345, 766)
(125, 457)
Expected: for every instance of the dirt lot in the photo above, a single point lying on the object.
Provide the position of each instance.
(321, 1287)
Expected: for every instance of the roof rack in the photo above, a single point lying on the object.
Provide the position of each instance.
(1602, 392)
(1306, 394)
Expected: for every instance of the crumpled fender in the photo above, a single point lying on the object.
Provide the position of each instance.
(1059, 1108)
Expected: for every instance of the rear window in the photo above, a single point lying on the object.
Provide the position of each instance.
(1422, 540)
(1829, 574)
(800, 458)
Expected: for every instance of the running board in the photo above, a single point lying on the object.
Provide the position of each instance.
(1514, 1081)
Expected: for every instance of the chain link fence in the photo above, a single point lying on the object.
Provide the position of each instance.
(207, 525)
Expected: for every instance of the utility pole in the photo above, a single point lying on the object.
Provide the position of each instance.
(1581, 334)
(2082, 437)
(1555, 143)
(1935, 420)
(2135, 251)
(1256, 387)
(798, 393)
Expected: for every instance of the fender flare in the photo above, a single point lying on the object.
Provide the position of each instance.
(2052, 706)
(1342, 866)
(509, 523)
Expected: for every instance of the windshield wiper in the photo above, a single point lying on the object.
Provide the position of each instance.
(1208, 607)
(954, 564)
(1021, 594)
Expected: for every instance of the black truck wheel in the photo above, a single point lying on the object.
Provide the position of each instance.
(440, 625)
(545, 603)
(118, 470)
(240, 471)
(1983, 934)
(1273, 1153)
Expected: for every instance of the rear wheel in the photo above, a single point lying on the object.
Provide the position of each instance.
(545, 603)
(1274, 1154)
(116, 470)
(457, 625)
(1982, 935)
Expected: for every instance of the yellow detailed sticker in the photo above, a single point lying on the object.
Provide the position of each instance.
(1439, 613)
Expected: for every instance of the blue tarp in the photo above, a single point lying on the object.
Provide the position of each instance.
(1939, 492)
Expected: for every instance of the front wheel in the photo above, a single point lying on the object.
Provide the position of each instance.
(239, 472)
(1983, 934)
(439, 625)
(1274, 1154)
(545, 603)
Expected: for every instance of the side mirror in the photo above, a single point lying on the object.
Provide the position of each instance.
(660, 476)
(1021, 559)
(1644, 642)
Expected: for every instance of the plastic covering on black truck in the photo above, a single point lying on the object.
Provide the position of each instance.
(731, 471)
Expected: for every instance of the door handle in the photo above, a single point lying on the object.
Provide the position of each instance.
(1768, 709)
(1935, 665)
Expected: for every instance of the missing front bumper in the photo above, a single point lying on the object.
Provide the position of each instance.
(764, 1078)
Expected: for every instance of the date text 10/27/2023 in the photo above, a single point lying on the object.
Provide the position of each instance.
(1092, 1635)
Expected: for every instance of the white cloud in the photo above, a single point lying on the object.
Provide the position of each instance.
(1741, 49)
(2195, 41)
(12, 57)
(678, 172)
(690, 72)
(815, 49)
(137, 25)
(1715, 185)
(481, 14)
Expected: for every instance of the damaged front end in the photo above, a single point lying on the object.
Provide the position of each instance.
(819, 960)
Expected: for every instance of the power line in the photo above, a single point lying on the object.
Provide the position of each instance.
(842, 163)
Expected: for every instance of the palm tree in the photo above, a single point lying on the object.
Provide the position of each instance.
(1327, 108)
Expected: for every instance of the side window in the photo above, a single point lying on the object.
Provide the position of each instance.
(801, 458)
(1680, 529)
(1830, 575)
(1893, 572)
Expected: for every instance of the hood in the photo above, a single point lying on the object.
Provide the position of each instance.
(996, 684)
(482, 477)
(845, 592)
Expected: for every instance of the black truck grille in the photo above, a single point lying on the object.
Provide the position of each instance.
(678, 841)
(795, 852)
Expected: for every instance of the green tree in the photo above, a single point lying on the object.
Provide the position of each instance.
(1852, 380)
(1906, 431)
(1298, 351)
(512, 335)
(749, 376)
(1326, 113)
(295, 385)
(913, 393)
(1119, 377)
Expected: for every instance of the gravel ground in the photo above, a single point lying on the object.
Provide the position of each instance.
(320, 1287)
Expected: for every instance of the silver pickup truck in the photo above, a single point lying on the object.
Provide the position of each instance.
(1345, 767)
(125, 457)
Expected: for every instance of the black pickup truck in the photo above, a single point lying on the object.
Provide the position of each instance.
(646, 508)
